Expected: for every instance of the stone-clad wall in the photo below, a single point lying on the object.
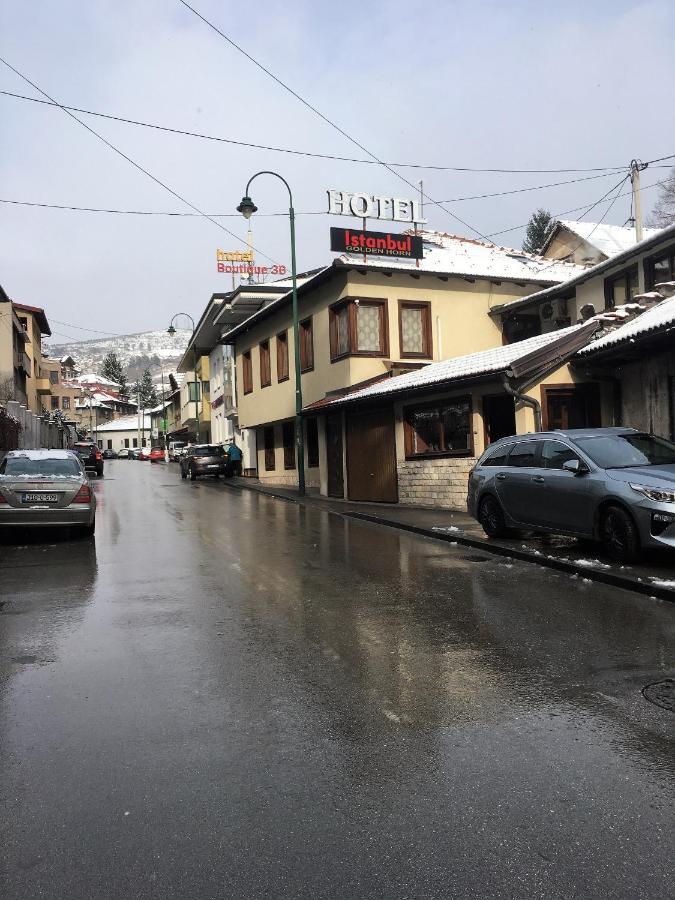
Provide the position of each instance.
(434, 482)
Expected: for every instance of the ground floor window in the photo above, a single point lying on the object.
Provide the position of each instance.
(109, 444)
(288, 429)
(439, 429)
(268, 442)
(135, 442)
(312, 432)
(126, 443)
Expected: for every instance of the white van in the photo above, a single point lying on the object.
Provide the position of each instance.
(176, 449)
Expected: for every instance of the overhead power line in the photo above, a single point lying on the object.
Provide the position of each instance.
(328, 121)
(334, 125)
(146, 212)
(124, 156)
(567, 212)
(538, 187)
(308, 153)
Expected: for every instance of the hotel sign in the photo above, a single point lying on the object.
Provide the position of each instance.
(240, 262)
(367, 206)
(377, 243)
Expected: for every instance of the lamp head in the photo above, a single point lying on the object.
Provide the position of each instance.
(247, 207)
(171, 330)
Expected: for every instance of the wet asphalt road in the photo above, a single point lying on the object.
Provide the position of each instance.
(228, 696)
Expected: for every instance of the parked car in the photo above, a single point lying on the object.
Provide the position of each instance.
(91, 457)
(157, 454)
(124, 453)
(109, 454)
(135, 453)
(144, 454)
(43, 488)
(615, 485)
(203, 459)
(176, 449)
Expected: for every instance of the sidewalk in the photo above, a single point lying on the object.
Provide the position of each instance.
(654, 577)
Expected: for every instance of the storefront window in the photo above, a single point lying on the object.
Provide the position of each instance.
(442, 429)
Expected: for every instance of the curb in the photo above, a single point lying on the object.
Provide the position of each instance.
(560, 565)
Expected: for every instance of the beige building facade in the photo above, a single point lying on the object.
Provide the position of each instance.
(359, 323)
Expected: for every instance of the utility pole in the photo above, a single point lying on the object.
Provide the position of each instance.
(635, 168)
(138, 419)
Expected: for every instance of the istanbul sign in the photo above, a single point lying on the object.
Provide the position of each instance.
(379, 243)
(367, 206)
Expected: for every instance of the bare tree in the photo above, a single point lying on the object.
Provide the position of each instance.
(7, 389)
(663, 213)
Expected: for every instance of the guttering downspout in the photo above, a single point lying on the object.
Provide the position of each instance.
(524, 398)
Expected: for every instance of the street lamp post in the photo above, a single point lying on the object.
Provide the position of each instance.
(247, 208)
(171, 330)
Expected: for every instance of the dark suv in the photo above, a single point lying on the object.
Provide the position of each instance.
(615, 485)
(91, 456)
(203, 459)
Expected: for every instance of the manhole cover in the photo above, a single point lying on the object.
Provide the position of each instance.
(476, 558)
(661, 693)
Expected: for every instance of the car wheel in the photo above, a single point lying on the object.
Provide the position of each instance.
(193, 475)
(491, 517)
(619, 535)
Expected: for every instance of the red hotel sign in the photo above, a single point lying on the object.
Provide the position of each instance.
(377, 243)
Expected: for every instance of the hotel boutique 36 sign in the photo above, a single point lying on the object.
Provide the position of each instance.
(367, 206)
(240, 262)
(378, 243)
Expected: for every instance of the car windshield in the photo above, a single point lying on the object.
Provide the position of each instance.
(49, 467)
(83, 448)
(621, 451)
(207, 451)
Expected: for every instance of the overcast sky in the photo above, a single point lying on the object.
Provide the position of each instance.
(482, 84)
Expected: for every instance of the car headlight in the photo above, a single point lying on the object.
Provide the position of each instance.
(656, 494)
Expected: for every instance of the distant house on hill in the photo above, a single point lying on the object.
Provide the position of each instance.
(589, 243)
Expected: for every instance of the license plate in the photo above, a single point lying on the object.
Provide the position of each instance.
(40, 498)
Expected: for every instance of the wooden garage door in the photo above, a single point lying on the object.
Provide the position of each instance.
(371, 457)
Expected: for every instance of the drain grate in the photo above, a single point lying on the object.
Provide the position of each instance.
(661, 693)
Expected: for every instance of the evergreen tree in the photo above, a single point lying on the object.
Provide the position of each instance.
(145, 389)
(112, 369)
(538, 229)
(663, 213)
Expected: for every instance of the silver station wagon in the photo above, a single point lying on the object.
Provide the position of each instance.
(615, 485)
(43, 488)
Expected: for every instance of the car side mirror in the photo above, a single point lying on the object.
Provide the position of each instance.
(575, 466)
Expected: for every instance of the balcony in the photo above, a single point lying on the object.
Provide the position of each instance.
(43, 386)
(21, 361)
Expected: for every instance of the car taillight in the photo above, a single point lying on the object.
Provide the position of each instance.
(83, 495)
(98, 454)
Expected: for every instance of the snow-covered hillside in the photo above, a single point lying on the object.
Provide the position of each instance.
(149, 349)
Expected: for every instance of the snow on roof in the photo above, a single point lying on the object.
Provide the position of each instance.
(126, 423)
(660, 316)
(655, 238)
(473, 365)
(451, 254)
(95, 379)
(609, 239)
